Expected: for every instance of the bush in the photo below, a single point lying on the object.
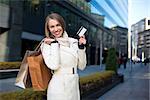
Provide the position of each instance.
(111, 60)
(96, 76)
(87, 83)
(95, 81)
(9, 65)
(26, 94)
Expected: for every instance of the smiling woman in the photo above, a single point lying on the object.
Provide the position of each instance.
(62, 55)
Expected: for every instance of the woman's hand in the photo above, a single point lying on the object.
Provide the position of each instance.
(82, 40)
(48, 40)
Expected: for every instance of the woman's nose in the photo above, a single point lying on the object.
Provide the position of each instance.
(55, 28)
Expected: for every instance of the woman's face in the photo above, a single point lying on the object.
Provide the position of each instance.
(55, 28)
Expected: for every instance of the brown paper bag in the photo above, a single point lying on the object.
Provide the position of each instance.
(39, 72)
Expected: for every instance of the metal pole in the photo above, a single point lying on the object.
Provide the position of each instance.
(101, 48)
(101, 53)
(131, 55)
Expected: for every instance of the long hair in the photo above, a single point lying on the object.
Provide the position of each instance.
(56, 17)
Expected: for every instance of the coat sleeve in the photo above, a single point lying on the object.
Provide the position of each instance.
(81, 59)
(50, 55)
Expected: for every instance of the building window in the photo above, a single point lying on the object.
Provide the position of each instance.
(4, 2)
(148, 22)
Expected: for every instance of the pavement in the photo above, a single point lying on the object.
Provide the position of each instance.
(135, 86)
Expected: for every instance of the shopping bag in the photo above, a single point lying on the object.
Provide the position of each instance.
(23, 77)
(39, 72)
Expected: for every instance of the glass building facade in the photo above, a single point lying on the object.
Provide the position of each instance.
(76, 13)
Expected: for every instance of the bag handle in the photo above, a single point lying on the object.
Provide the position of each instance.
(38, 46)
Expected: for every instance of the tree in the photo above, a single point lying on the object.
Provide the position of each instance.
(111, 60)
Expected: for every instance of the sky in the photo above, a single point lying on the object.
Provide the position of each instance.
(138, 9)
(131, 11)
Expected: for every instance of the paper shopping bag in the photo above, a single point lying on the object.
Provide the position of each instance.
(39, 72)
(23, 77)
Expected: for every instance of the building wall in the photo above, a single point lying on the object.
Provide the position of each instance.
(3, 46)
(82, 5)
(120, 34)
(99, 18)
(144, 43)
(4, 26)
(11, 40)
(140, 37)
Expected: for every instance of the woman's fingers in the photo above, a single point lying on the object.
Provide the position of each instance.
(82, 40)
(82, 36)
(48, 40)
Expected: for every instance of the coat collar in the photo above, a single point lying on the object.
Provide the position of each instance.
(65, 35)
(64, 40)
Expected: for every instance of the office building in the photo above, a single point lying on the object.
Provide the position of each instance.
(141, 38)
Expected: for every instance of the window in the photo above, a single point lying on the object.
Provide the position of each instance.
(4, 2)
(148, 22)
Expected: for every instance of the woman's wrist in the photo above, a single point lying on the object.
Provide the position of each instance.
(54, 41)
(81, 46)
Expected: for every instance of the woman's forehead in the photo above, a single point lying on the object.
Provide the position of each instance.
(53, 22)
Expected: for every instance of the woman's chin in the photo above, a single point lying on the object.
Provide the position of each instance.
(57, 36)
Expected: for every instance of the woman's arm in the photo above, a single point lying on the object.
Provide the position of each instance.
(81, 59)
(51, 55)
(81, 53)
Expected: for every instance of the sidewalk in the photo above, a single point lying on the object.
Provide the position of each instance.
(135, 86)
(91, 69)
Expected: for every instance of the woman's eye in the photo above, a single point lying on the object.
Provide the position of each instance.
(51, 26)
(58, 25)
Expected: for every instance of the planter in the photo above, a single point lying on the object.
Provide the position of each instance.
(99, 89)
(9, 74)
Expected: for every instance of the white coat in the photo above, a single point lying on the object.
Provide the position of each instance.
(62, 57)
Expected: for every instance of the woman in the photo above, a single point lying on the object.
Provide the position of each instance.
(62, 55)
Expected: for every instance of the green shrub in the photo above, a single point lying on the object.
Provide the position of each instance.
(95, 81)
(27, 94)
(9, 65)
(111, 60)
(96, 76)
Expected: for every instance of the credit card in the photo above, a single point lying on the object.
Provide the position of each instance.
(81, 31)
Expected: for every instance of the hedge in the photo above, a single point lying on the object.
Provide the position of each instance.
(95, 81)
(85, 87)
(9, 65)
(26, 94)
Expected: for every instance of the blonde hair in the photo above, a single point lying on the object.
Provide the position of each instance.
(56, 17)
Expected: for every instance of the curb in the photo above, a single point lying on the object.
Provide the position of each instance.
(10, 73)
(9, 70)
